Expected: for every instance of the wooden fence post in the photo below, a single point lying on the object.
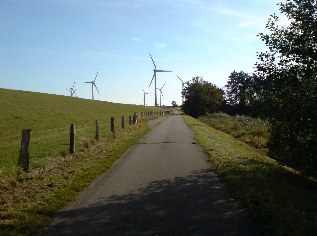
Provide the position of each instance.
(130, 120)
(23, 160)
(122, 122)
(112, 126)
(135, 118)
(97, 130)
(72, 139)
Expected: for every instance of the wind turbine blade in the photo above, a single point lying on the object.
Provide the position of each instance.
(163, 71)
(89, 82)
(180, 78)
(163, 86)
(96, 77)
(152, 80)
(152, 61)
(96, 88)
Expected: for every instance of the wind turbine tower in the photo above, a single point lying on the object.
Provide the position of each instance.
(72, 90)
(182, 89)
(144, 96)
(161, 94)
(93, 84)
(154, 77)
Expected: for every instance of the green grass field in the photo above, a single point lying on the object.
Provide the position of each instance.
(49, 117)
(278, 199)
(28, 200)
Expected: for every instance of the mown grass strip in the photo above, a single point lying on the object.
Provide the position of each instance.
(278, 199)
(37, 196)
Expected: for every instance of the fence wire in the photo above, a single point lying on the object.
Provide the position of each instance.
(49, 144)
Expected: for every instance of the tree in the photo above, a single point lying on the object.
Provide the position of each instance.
(174, 104)
(201, 97)
(239, 92)
(288, 84)
(238, 86)
(242, 94)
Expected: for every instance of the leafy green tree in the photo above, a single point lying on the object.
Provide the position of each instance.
(238, 87)
(288, 84)
(174, 104)
(239, 92)
(242, 94)
(201, 97)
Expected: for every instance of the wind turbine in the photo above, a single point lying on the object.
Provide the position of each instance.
(182, 88)
(93, 83)
(144, 96)
(72, 90)
(161, 94)
(154, 77)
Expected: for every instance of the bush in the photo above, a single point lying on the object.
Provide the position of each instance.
(247, 129)
(201, 97)
(288, 88)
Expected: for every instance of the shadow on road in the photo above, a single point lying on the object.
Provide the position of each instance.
(191, 205)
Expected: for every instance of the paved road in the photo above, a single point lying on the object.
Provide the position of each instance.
(161, 186)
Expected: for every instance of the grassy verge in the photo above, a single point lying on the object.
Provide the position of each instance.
(278, 199)
(29, 200)
(249, 130)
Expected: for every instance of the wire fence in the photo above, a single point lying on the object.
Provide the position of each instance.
(46, 145)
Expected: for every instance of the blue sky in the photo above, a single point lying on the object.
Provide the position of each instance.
(46, 45)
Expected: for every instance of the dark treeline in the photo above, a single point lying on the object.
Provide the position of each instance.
(282, 90)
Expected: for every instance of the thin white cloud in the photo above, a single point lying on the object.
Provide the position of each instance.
(247, 37)
(136, 39)
(246, 19)
(249, 23)
(98, 54)
(230, 23)
(160, 46)
(230, 12)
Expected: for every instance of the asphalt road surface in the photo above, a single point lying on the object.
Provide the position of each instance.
(161, 186)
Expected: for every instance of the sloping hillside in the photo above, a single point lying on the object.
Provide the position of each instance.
(20, 109)
(49, 118)
(29, 199)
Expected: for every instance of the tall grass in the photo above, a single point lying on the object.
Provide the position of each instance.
(247, 129)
